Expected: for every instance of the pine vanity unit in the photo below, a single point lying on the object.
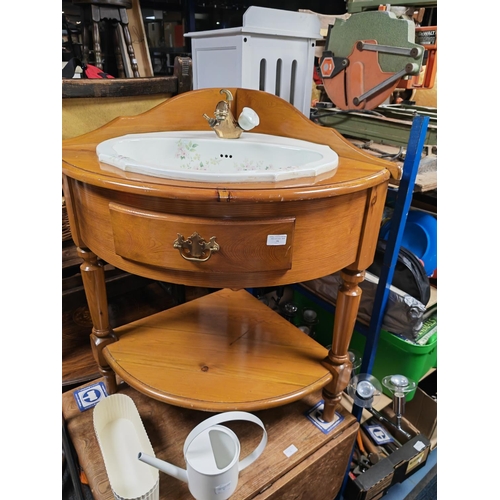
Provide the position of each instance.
(224, 351)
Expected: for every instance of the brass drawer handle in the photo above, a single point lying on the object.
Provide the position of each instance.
(195, 247)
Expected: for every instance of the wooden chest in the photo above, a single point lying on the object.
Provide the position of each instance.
(314, 471)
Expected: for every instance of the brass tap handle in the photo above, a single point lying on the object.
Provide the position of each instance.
(211, 121)
(195, 248)
(229, 96)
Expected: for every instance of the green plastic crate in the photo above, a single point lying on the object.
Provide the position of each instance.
(394, 355)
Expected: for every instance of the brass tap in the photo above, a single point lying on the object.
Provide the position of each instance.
(224, 124)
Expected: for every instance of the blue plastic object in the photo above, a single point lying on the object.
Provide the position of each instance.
(401, 209)
(420, 237)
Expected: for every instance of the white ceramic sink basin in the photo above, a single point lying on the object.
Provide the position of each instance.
(204, 157)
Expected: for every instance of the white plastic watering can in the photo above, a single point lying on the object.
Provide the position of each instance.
(211, 452)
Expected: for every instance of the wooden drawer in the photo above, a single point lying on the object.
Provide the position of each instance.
(245, 245)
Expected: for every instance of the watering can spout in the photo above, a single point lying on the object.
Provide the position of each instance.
(165, 467)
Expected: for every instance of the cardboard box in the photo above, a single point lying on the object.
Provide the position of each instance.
(398, 466)
(421, 411)
(420, 420)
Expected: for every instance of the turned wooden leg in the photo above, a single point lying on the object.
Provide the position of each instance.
(86, 45)
(102, 335)
(130, 49)
(118, 51)
(96, 17)
(337, 361)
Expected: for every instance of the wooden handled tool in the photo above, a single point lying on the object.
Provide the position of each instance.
(372, 450)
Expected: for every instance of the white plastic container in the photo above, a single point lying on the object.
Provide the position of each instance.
(121, 435)
(273, 51)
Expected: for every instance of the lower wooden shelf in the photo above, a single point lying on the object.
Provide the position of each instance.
(315, 471)
(224, 351)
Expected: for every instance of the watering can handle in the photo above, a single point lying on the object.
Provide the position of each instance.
(227, 417)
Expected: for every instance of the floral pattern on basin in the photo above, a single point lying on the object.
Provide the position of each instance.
(187, 151)
(250, 165)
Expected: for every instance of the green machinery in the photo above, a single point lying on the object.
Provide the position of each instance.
(369, 56)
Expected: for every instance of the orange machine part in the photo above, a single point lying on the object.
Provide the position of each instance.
(427, 77)
(362, 74)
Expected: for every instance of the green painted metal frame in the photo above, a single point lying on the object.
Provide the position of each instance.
(386, 125)
(362, 5)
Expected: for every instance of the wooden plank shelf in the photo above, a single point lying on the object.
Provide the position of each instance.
(119, 87)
